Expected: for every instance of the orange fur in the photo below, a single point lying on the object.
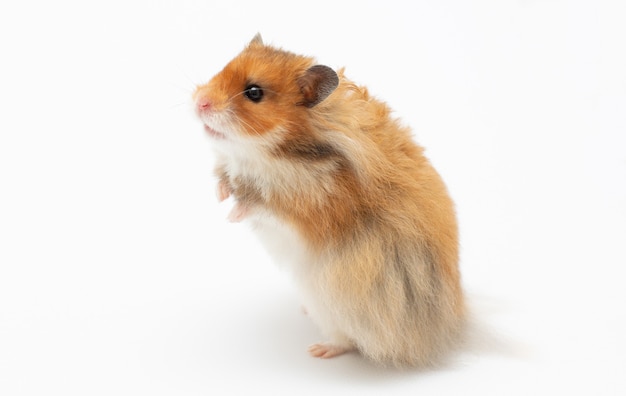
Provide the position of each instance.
(379, 244)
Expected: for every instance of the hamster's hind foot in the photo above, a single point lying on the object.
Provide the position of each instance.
(327, 350)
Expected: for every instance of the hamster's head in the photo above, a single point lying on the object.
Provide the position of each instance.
(262, 93)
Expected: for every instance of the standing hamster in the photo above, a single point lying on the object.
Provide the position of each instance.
(337, 189)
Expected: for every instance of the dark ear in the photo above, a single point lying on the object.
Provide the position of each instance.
(316, 84)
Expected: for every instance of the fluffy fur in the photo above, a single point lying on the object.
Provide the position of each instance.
(340, 188)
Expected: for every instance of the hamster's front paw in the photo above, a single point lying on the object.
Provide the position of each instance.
(238, 213)
(327, 350)
(223, 190)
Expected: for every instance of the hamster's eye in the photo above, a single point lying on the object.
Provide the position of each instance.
(254, 93)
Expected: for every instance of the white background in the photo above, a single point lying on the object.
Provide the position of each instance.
(120, 275)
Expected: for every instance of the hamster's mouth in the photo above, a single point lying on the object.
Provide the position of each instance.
(213, 133)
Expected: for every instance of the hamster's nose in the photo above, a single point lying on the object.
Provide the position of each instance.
(203, 104)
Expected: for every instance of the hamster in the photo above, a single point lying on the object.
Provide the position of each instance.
(337, 188)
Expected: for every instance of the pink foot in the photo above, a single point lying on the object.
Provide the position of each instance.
(223, 190)
(327, 350)
(238, 213)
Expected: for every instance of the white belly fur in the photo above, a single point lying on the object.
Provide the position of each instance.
(291, 254)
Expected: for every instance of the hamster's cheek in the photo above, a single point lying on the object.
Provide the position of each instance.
(264, 118)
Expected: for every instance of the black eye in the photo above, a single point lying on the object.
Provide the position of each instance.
(254, 93)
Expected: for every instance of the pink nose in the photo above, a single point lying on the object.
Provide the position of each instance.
(203, 104)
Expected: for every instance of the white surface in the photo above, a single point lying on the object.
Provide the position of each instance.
(119, 274)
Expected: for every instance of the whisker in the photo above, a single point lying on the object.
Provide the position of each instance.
(249, 126)
(176, 105)
(231, 113)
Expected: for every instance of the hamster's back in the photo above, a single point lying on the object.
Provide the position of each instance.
(398, 264)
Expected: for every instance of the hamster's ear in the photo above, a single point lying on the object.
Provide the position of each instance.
(316, 84)
(256, 40)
